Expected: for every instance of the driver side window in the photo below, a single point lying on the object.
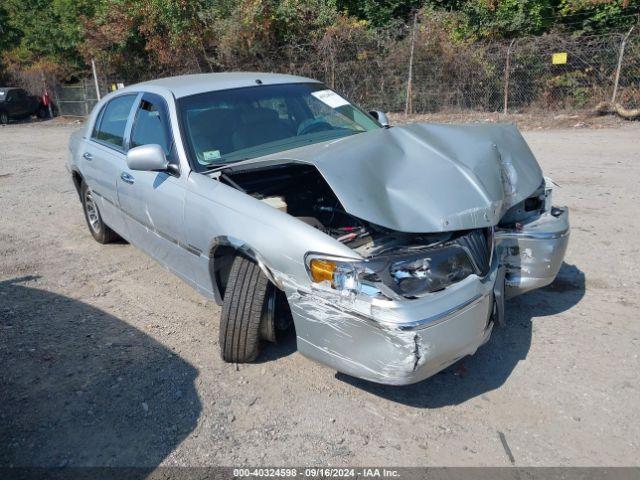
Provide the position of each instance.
(151, 125)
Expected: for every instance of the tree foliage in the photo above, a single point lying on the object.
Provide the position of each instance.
(148, 37)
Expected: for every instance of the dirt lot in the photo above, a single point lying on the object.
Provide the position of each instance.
(107, 359)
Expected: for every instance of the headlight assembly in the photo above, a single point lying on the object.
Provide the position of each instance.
(339, 275)
(407, 275)
(429, 271)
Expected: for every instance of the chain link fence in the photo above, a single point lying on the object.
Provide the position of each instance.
(419, 69)
(548, 73)
(77, 99)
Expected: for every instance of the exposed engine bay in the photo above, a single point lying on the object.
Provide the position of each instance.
(396, 260)
(299, 190)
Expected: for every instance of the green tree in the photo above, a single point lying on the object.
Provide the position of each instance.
(592, 17)
(45, 29)
(506, 18)
(381, 12)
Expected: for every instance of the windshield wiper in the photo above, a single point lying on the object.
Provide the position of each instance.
(210, 167)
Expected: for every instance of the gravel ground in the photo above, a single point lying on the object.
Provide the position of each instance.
(108, 359)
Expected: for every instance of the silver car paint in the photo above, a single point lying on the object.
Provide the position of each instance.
(418, 178)
(533, 256)
(424, 177)
(147, 158)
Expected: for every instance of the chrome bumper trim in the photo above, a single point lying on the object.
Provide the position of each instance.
(532, 235)
(409, 326)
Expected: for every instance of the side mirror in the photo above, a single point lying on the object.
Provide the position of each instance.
(147, 158)
(381, 117)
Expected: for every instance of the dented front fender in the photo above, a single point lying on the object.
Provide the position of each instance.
(533, 252)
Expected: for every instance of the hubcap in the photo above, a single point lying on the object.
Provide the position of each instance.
(92, 212)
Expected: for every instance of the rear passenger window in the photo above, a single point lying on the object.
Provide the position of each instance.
(151, 124)
(113, 121)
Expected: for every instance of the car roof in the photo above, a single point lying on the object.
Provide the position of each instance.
(185, 85)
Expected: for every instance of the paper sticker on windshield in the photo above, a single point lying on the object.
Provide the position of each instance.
(211, 155)
(330, 98)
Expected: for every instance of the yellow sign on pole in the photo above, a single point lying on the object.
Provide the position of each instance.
(559, 58)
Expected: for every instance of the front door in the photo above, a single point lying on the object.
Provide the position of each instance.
(153, 202)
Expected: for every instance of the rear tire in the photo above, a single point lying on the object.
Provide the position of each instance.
(247, 296)
(99, 230)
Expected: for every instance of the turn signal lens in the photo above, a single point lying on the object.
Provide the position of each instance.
(322, 270)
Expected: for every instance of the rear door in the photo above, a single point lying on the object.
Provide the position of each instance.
(153, 202)
(103, 158)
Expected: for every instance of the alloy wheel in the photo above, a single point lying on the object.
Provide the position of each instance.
(92, 211)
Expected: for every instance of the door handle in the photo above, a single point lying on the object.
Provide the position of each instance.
(87, 156)
(126, 178)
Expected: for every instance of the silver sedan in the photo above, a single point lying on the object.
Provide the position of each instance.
(389, 250)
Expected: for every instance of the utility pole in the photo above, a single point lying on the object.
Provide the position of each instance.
(408, 107)
(507, 68)
(95, 78)
(619, 67)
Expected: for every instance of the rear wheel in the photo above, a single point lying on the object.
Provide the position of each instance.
(99, 230)
(248, 312)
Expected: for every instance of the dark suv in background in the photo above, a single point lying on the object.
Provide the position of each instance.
(16, 103)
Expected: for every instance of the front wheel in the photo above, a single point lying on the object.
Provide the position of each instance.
(247, 312)
(99, 230)
(4, 118)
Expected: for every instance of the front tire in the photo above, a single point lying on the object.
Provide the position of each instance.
(4, 118)
(99, 230)
(248, 296)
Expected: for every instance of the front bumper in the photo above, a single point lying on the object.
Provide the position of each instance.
(400, 343)
(403, 342)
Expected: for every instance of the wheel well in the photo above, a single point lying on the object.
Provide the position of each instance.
(77, 180)
(220, 261)
(220, 264)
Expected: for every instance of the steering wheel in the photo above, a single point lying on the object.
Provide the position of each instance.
(313, 125)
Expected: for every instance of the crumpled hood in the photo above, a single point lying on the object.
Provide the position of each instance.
(425, 178)
(430, 178)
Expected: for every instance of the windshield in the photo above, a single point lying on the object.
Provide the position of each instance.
(228, 126)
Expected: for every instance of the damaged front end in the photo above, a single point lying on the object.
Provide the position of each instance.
(532, 247)
(443, 223)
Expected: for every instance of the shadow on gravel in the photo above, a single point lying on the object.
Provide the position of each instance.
(80, 387)
(286, 346)
(492, 364)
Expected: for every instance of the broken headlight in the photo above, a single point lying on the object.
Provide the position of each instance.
(336, 274)
(429, 271)
(408, 275)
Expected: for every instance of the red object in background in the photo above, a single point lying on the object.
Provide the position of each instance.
(45, 99)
